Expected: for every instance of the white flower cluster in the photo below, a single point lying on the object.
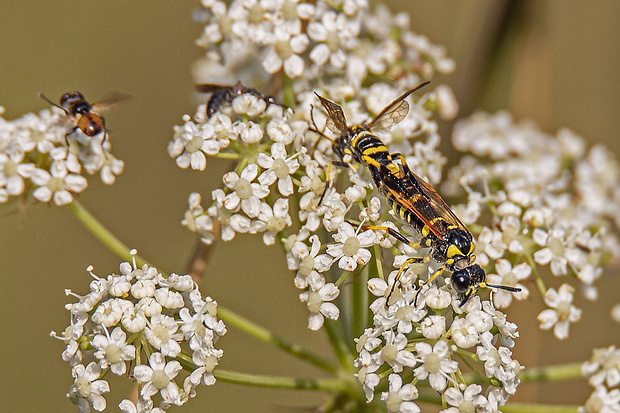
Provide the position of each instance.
(551, 200)
(282, 162)
(603, 373)
(311, 40)
(427, 339)
(331, 48)
(35, 159)
(159, 324)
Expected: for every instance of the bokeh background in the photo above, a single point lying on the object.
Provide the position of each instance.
(555, 62)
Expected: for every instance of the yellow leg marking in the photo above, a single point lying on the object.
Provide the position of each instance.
(392, 232)
(328, 181)
(400, 272)
(437, 273)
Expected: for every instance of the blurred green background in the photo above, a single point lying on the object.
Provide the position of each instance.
(556, 62)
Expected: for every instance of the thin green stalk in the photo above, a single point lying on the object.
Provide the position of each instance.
(481, 377)
(287, 91)
(359, 305)
(342, 277)
(537, 408)
(293, 383)
(560, 372)
(539, 282)
(376, 252)
(227, 155)
(264, 335)
(336, 338)
(120, 249)
(103, 234)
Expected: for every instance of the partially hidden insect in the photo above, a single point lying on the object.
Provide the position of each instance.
(225, 94)
(412, 198)
(85, 116)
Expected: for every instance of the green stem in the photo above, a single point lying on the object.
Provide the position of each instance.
(229, 317)
(360, 304)
(537, 408)
(330, 384)
(338, 344)
(376, 249)
(103, 234)
(227, 155)
(287, 91)
(264, 335)
(342, 277)
(560, 372)
(539, 282)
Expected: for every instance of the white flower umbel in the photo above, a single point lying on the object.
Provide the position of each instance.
(152, 316)
(602, 400)
(603, 367)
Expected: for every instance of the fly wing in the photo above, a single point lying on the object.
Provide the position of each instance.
(112, 100)
(419, 197)
(336, 121)
(394, 112)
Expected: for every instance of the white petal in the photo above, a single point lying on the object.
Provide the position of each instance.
(330, 311)
(329, 292)
(267, 178)
(172, 368)
(561, 330)
(183, 161)
(264, 160)
(540, 237)
(43, 194)
(547, 319)
(15, 185)
(320, 54)
(543, 256)
(294, 66)
(250, 172)
(280, 208)
(315, 321)
(40, 177)
(157, 361)
(251, 206)
(347, 263)
(198, 161)
(63, 198)
(377, 287)
(285, 186)
(75, 183)
(98, 402)
(273, 64)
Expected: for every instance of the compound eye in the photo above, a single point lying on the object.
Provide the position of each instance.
(461, 282)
